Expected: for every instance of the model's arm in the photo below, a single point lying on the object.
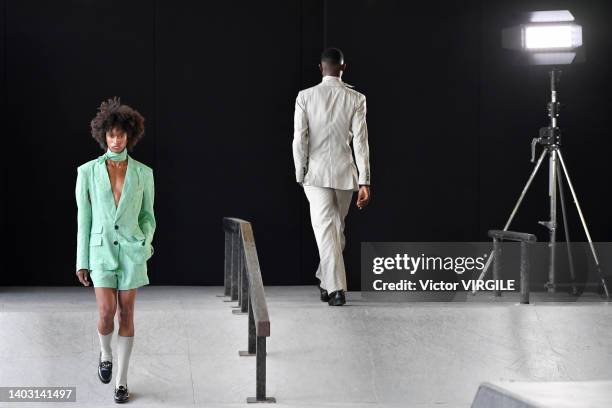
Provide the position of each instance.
(83, 221)
(359, 129)
(146, 217)
(300, 139)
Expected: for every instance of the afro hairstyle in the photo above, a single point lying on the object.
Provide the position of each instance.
(112, 114)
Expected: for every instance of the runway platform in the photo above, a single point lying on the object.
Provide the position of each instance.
(368, 353)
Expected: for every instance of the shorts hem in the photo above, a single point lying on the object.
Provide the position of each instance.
(135, 286)
(105, 286)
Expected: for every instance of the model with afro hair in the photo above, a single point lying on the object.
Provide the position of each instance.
(116, 223)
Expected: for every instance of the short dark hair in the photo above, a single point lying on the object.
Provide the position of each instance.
(112, 114)
(333, 56)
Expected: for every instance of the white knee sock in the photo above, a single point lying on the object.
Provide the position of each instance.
(105, 346)
(124, 347)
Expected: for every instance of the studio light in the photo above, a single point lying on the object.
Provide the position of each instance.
(546, 38)
(551, 38)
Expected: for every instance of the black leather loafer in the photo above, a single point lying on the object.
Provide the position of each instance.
(122, 394)
(105, 370)
(324, 295)
(336, 298)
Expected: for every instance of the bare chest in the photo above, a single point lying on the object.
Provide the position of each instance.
(116, 175)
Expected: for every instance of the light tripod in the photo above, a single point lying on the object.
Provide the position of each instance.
(549, 138)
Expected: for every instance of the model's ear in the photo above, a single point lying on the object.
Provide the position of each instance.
(321, 68)
(343, 67)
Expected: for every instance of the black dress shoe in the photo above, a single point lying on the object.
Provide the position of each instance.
(336, 298)
(122, 394)
(105, 370)
(324, 294)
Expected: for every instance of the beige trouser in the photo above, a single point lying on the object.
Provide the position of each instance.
(328, 208)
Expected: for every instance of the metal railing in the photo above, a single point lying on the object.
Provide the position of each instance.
(243, 283)
(525, 240)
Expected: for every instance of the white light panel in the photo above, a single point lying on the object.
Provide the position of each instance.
(562, 36)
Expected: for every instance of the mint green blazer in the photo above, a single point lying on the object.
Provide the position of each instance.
(103, 227)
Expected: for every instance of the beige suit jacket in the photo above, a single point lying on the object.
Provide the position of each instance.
(328, 117)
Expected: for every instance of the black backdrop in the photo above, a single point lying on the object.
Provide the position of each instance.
(450, 123)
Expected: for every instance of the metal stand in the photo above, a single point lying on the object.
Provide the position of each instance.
(550, 139)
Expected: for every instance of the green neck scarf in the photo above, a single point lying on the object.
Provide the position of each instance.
(116, 156)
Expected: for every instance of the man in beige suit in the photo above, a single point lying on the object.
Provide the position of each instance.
(328, 117)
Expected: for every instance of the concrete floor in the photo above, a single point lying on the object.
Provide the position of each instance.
(368, 353)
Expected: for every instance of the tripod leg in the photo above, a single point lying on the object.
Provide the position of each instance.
(522, 196)
(586, 230)
(567, 233)
(484, 270)
(516, 207)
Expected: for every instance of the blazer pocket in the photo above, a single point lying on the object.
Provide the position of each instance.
(136, 251)
(95, 240)
(148, 249)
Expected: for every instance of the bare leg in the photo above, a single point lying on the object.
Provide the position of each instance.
(127, 299)
(106, 298)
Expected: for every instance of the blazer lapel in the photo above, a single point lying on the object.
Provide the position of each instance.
(103, 182)
(130, 176)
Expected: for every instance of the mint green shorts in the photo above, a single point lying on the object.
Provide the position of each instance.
(127, 276)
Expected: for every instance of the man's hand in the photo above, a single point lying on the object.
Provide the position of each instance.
(83, 274)
(363, 197)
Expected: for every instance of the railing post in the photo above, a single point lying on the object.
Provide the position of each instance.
(252, 334)
(260, 376)
(242, 281)
(235, 260)
(244, 286)
(227, 264)
(260, 380)
(241, 271)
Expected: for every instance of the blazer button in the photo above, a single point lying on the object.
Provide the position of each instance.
(116, 227)
(116, 243)
(143, 243)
